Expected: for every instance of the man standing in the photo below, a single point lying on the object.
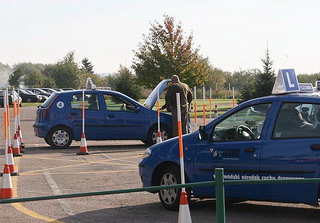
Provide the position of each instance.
(185, 101)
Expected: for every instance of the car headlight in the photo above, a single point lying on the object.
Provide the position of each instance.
(146, 153)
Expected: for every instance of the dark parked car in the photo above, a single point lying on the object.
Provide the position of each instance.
(10, 98)
(29, 96)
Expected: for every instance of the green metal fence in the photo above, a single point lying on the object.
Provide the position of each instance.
(219, 184)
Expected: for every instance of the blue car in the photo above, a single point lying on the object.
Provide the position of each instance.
(273, 137)
(109, 115)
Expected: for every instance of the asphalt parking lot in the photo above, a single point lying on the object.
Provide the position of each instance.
(111, 165)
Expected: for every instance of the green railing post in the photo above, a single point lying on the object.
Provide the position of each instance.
(220, 202)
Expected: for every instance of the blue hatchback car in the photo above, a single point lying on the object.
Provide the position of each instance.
(109, 115)
(274, 137)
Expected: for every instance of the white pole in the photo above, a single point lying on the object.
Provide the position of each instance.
(19, 124)
(5, 117)
(180, 141)
(210, 109)
(14, 101)
(204, 105)
(233, 101)
(195, 108)
(82, 111)
(8, 119)
(158, 112)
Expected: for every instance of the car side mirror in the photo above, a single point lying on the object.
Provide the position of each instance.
(202, 133)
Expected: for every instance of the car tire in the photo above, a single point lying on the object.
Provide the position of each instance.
(152, 134)
(29, 100)
(170, 198)
(59, 137)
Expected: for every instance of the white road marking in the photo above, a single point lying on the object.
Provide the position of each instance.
(55, 190)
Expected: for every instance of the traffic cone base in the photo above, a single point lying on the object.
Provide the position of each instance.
(6, 190)
(11, 163)
(83, 146)
(184, 211)
(16, 147)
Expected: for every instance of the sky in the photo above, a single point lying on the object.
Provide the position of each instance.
(233, 34)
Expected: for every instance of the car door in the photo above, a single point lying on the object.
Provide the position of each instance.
(292, 151)
(235, 145)
(94, 115)
(123, 119)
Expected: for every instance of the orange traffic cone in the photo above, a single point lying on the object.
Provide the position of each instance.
(19, 135)
(16, 147)
(83, 146)
(6, 190)
(11, 162)
(184, 211)
(159, 138)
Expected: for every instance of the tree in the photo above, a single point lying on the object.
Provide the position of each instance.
(265, 79)
(125, 82)
(35, 79)
(87, 65)
(261, 83)
(165, 52)
(14, 78)
(66, 72)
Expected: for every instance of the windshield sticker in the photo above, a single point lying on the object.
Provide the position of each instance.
(60, 104)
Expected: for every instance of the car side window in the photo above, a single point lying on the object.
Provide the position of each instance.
(90, 102)
(245, 124)
(114, 103)
(297, 120)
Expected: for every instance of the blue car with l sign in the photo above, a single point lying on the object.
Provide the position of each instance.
(273, 137)
(109, 115)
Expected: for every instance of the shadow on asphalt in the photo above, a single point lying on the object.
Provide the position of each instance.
(92, 149)
(202, 211)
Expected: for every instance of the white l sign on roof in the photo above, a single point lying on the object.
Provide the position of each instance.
(286, 82)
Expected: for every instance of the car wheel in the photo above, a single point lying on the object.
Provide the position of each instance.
(59, 137)
(152, 135)
(170, 198)
(29, 100)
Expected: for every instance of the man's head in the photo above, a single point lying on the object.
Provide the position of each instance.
(175, 79)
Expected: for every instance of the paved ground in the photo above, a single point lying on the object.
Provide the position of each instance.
(111, 165)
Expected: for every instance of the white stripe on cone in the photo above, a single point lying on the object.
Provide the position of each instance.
(16, 146)
(159, 139)
(10, 160)
(83, 142)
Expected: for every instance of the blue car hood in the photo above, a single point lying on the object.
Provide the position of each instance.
(151, 100)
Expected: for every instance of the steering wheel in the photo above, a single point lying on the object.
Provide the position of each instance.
(244, 132)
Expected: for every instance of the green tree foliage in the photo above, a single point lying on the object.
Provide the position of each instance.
(14, 78)
(265, 79)
(125, 82)
(309, 78)
(261, 82)
(66, 72)
(87, 65)
(35, 79)
(165, 52)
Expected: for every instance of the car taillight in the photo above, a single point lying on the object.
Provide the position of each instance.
(46, 113)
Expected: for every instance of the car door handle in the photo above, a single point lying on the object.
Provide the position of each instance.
(315, 147)
(250, 150)
(74, 113)
(110, 116)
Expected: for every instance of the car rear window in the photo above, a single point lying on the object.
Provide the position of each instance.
(49, 100)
